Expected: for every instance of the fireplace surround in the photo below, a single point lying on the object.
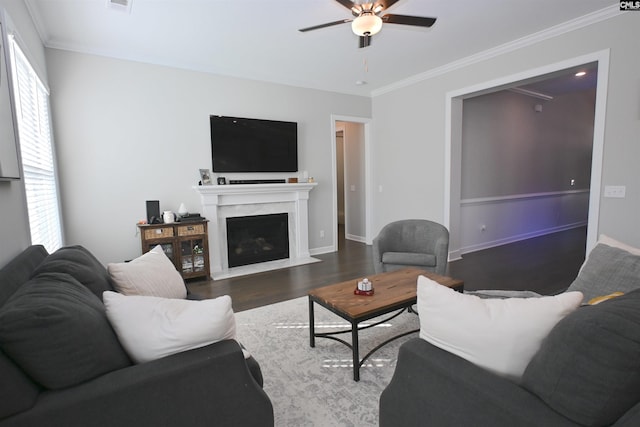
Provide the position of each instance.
(220, 202)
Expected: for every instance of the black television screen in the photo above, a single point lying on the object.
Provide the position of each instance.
(253, 145)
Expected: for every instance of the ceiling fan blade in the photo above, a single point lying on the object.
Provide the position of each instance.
(386, 4)
(364, 41)
(328, 24)
(357, 7)
(418, 21)
(347, 3)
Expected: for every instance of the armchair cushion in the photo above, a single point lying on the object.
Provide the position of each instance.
(588, 368)
(409, 258)
(58, 332)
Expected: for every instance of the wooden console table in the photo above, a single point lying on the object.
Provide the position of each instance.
(185, 243)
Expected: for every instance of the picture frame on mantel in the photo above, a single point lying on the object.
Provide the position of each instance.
(205, 176)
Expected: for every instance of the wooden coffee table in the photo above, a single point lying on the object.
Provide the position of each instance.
(393, 291)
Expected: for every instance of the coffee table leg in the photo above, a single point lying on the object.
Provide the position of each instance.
(356, 351)
(312, 326)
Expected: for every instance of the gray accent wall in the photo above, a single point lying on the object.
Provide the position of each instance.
(509, 148)
(525, 167)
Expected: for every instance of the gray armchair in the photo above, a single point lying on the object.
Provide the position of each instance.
(411, 243)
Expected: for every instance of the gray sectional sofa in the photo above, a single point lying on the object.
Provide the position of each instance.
(61, 363)
(586, 372)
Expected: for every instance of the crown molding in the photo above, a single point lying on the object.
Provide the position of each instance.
(37, 21)
(557, 30)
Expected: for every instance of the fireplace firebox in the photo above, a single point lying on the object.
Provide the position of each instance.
(257, 238)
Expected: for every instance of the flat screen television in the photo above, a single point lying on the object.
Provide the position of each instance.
(253, 145)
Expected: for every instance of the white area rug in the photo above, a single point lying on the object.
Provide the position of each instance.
(315, 386)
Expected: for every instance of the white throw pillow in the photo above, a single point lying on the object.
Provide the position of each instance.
(152, 274)
(151, 327)
(500, 335)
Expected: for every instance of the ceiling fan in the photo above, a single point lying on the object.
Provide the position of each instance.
(368, 21)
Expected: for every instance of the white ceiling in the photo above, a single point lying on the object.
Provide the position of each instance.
(258, 39)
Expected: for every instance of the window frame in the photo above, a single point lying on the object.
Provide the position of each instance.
(37, 151)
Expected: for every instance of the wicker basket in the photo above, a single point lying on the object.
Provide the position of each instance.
(190, 230)
(158, 233)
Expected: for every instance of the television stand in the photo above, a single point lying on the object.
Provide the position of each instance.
(257, 181)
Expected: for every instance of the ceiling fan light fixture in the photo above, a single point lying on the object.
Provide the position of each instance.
(366, 24)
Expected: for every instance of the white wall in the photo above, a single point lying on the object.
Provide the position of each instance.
(14, 228)
(409, 135)
(128, 132)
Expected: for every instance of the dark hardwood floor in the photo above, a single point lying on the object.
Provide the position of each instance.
(546, 264)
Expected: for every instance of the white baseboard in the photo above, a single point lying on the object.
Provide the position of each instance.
(455, 255)
(322, 250)
(513, 239)
(355, 238)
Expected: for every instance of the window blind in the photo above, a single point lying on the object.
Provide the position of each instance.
(36, 150)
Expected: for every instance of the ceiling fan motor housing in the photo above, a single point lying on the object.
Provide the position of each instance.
(367, 21)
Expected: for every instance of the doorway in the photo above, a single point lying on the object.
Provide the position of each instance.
(453, 142)
(351, 175)
(340, 184)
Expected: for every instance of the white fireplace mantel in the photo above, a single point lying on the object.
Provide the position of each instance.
(220, 202)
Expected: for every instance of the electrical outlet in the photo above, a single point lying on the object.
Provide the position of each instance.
(615, 191)
(321, 234)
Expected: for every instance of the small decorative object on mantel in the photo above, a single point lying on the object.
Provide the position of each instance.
(205, 177)
(222, 180)
(292, 180)
(365, 287)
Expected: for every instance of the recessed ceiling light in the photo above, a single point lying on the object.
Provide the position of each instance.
(361, 82)
(581, 73)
